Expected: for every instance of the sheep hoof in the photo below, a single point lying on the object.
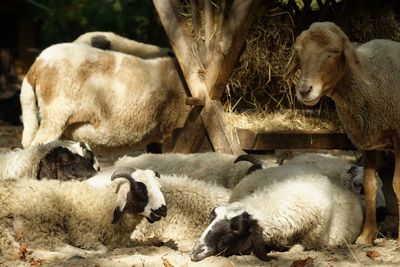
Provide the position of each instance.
(364, 239)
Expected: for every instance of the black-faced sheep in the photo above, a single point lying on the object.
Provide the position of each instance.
(80, 214)
(63, 160)
(288, 205)
(47, 214)
(104, 98)
(115, 42)
(364, 84)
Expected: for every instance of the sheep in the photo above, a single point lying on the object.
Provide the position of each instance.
(115, 42)
(209, 166)
(63, 160)
(364, 85)
(285, 206)
(336, 169)
(83, 217)
(103, 98)
(48, 214)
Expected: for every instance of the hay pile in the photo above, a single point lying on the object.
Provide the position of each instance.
(257, 97)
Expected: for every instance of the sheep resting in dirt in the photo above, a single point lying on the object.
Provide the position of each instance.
(79, 214)
(280, 207)
(48, 214)
(63, 160)
(365, 86)
(115, 42)
(104, 98)
(210, 166)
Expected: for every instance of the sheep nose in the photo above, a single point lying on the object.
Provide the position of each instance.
(305, 91)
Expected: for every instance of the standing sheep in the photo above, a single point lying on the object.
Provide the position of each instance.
(63, 160)
(279, 207)
(115, 42)
(104, 98)
(364, 84)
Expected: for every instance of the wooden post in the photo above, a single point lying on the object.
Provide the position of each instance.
(223, 137)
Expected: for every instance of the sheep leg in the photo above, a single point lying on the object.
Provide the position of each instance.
(50, 130)
(370, 228)
(396, 178)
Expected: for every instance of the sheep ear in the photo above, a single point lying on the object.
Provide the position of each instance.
(292, 66)
(258, 243)
(123, 191)
(351, 57)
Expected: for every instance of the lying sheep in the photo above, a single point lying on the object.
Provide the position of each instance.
(80, 215)
(209, 166)
(115, 42)
(100, 97)
(48, 214)
(336, 169)
(63, 160)
(292, 204)
(364, 84)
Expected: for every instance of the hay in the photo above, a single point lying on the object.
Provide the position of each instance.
(257, 82)
(284, 120)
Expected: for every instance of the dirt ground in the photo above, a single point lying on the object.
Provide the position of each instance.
(386, 251)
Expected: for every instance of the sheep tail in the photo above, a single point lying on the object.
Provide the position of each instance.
(30, 112)
(257, 164)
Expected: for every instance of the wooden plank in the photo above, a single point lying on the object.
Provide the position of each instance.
(230, 39)
(192, 134)
(196, 22)
(265, 141)
(223, 137)
(209, 30)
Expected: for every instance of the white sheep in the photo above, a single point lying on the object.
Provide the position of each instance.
(62, 160)
(288, 205)
(104, 98)
(364, 84)
(77, 213)
(209, 166)
(48, 214)
(115, 42)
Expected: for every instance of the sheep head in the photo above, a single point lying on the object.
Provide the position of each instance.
(63, 164)
(322, 53)
(232, 230)
(139, 191)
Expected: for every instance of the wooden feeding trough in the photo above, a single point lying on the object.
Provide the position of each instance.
(207, 64)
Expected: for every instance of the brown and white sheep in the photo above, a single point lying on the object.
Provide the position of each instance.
(365, 86)
(115, 42)
(104, 98)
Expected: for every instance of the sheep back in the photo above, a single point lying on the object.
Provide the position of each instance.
(210, 166)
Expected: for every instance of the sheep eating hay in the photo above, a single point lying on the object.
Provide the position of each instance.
(115, 42)
(104, 98)
(364, 83)
(63, 160)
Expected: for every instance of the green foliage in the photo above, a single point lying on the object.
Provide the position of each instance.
(65, 20)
